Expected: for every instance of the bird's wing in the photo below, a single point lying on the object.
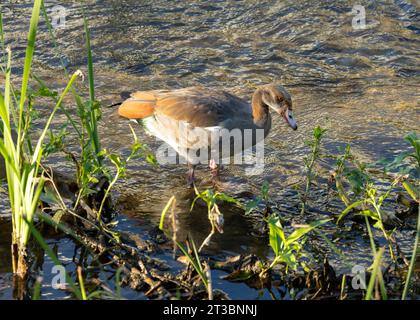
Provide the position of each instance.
(199, 107)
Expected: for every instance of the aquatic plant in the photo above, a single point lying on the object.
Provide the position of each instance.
(90, 167)
(310, 161)
(263, 199)
(366, 199)
(215, 217)
(288, 249)
(409, 164)
(349, 169)
(372, 199)
(24, 175)
(94, 178)
(137, 150)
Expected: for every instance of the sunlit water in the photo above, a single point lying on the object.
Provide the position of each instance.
(362, 85)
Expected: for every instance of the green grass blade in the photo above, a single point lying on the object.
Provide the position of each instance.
(299, 233)
(412, 260)
(371, 239)
(73, 90)
(345, 211)
(195, 263)
(30, 48)
(38, 149)
(81, 283)
(163, 214)
(376, 270)
(93, 112)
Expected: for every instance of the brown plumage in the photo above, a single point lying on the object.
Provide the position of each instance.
(166, 113)
(198, 106)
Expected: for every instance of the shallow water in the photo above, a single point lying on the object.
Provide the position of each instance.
(362, 85)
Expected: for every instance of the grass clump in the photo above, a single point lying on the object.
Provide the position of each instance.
(22, 160)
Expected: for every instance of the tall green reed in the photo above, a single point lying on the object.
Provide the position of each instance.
(90, 165)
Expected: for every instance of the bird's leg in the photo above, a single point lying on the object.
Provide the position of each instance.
(191, 175)
(214, 169)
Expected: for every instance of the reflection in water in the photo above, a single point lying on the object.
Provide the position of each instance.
(194, 224)
(362, 85)
(5, 243)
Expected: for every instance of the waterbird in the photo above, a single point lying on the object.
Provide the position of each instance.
(182, 117)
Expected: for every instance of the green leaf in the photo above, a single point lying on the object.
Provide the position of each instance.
(369, 213)
(50, 197)
(264, 189)
(57, 217)
(299, 233)
(251, 205)
(276, 234)
(412, 190)
(350, 207)
(239, 276)
(225, 197)
(151, 159)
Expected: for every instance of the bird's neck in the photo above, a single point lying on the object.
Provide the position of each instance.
(260, 113)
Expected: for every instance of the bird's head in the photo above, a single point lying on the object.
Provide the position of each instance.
(278, 99)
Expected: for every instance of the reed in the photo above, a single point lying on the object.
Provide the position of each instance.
(90, 165)
(22, 161)
(94, 106)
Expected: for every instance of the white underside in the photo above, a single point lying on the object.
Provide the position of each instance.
(184, 138)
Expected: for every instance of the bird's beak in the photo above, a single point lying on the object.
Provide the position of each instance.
(288, 117)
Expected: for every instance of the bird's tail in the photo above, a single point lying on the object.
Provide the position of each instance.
(141, 105)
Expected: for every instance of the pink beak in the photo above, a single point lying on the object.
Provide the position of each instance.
(288, 117)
